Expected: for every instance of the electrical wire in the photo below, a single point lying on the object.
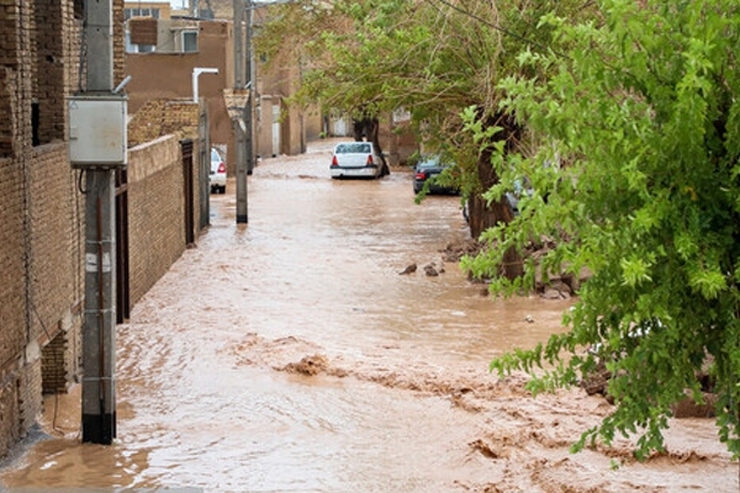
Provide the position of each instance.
(83, 56)
(79, 183)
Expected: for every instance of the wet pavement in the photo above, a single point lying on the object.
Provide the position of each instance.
(289, 354)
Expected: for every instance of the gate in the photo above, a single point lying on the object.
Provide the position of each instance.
(186, 148)
(123, 297)
(204, 167)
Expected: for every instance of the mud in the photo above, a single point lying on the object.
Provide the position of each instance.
(289, 354)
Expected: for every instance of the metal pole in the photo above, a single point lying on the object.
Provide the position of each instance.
(98, 334)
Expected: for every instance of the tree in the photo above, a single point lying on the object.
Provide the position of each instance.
(643, 116)
(431, 58)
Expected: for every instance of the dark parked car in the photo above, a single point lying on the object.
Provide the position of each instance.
(427, 169)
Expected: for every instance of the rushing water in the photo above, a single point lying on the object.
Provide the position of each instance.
(290, 354)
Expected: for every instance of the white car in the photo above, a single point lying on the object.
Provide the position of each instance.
(357, 160)
(217, 177)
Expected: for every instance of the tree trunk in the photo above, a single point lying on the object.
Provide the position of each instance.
(482, 216)
(368, 129)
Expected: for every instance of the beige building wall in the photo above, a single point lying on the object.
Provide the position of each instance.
(169, 76)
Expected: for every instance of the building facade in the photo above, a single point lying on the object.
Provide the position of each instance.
(41, 210)
(166, 71)
(42, 205)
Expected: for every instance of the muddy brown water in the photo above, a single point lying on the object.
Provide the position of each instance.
(289, 354)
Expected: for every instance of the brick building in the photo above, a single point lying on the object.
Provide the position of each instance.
(42, 208)
(41, 214)
(174, 46)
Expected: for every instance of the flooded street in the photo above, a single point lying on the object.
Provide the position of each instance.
(290, 355)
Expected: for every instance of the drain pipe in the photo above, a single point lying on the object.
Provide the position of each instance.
(196, 72)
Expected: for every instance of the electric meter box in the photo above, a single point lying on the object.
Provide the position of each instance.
(97, 131)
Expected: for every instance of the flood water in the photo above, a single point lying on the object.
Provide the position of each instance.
(289, 354)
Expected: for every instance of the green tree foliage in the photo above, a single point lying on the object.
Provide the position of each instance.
(382, 55)
(637, 179)
(431, 58)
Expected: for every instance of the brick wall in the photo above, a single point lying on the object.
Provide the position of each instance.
(48, 96)
(156, 212)
(10, 431)
(55, 365)
(156, 123)
(160, 117)
(119, 42)
(181, 117)
(54, 255)
(41, 211)
(41, 279)
(12, 297)
(146, 124)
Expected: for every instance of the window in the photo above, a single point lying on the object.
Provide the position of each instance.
(145, 12)
(137, 48)
(353, 148)
(189, 41)
(130, 47)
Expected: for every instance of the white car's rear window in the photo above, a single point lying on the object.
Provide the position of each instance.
(353, 148)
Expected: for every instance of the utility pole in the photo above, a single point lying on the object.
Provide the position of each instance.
(98, 335)
(241, 123)
(252, 84)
